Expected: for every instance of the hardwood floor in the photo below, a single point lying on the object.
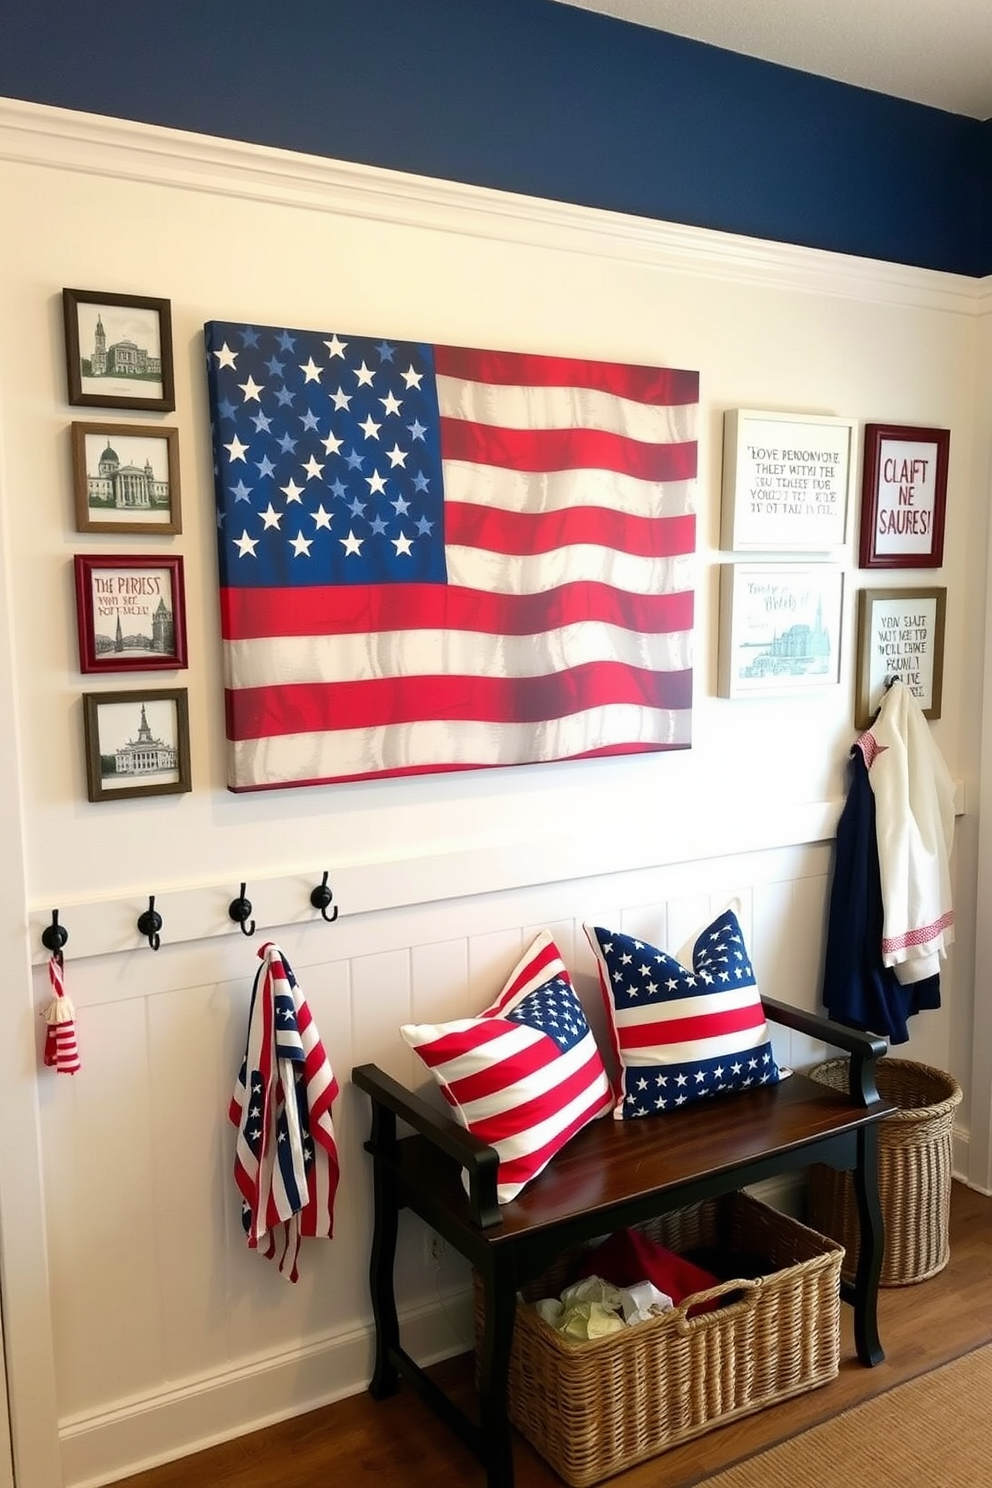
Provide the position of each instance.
(397, 1443)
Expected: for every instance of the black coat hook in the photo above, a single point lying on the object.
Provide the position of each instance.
(150, 923)
(320, 898)
(54, 937)
(239, 909)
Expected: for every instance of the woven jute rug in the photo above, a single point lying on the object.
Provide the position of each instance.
(934, 1431)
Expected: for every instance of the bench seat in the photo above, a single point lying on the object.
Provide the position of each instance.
(610, 1175)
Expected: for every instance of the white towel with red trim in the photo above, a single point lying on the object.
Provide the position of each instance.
(914, 824)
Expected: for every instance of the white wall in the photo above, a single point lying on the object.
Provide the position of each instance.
(163, 1332)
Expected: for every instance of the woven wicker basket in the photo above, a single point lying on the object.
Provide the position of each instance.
(914, 1172)
(595, 1408)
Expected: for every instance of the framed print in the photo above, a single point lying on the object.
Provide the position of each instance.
(126, 478)
(900, 634)
(137, 743)
(786, 481)
(903, 496)
(130, 613)
(118, 350)
(780, 628)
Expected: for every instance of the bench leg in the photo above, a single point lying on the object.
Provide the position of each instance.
(499, 1304)
(385, 1376)
(870, 1249)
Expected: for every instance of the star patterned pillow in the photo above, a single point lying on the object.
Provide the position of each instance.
(682, 1033)
(526, 1074)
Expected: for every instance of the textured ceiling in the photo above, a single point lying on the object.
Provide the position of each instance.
(937, 52)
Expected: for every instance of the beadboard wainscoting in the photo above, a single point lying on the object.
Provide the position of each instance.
(169, 1334)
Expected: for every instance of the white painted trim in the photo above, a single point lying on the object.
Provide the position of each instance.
(65, 139)
(453, 870)
(141, 1433)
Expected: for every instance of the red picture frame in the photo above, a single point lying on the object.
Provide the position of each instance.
(903, 496)
(130, 613)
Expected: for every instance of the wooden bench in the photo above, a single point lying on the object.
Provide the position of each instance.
(612, 1174)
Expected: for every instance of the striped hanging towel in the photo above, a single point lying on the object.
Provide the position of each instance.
(61, 1049)
(286, 1160)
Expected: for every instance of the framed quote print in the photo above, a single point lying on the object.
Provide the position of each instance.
(900, 636)
(903, 496)
(786, 481)
(130, 613)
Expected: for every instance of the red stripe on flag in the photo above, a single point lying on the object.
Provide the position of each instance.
(312, 707)
(509, 1121)
(690, 1030)
(565, 449)
(448, 1046)
(528, 533)
(537, 966)
(660, 386)
(498, 1074)
(366, 609)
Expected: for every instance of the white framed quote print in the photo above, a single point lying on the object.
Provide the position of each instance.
(786, 481)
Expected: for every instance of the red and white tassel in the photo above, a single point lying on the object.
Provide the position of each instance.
(61, 1049)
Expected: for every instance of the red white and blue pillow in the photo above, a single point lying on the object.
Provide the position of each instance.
(526, 1074)
(682, 1033)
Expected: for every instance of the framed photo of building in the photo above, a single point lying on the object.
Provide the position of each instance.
(130, 613)
(118, 350)
(787, 480)
(780, 628)
(900, 638)
(903, 496)
(137, 743)
(126, 479)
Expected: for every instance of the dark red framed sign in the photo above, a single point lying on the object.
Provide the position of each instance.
(130, 613)
(903, 496)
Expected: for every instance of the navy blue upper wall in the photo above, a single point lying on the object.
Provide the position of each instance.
(529, 96)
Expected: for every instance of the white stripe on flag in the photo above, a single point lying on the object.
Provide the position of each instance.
(561, 490)
(312, 756)
(517, 406)
(496, 573)
(281, 662)
(693, 1049)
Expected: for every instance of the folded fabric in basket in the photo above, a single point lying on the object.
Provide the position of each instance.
(629, 1257)
(593, 1308)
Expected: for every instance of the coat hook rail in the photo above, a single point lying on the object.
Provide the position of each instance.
(54, 937)
(150, 923)
(321, 898)
(239, 909)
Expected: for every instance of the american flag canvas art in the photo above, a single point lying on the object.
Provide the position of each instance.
(434, 558)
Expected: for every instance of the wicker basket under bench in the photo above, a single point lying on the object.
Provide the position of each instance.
(612, 1174)
(594, 1408)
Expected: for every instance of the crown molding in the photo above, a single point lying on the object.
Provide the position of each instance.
(64, 139)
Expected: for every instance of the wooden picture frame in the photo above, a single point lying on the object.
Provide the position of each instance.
(903, 496)
(137, 743)
(130, 613)
(780, 628)
(787, 481)
(900, 634)
(118, 350)
(125, 479)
